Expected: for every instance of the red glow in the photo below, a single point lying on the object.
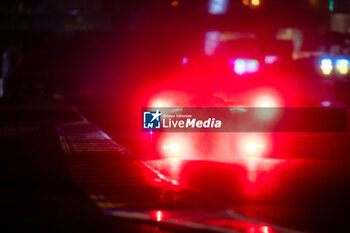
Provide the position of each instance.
(266, 98)
(244, 66)
(265, 229)
(255, 2)
(159, 103)
(326, 104)
(270, 59)
(252, 146)
(262, 229)
(158, 215)
(175, 146)
(169, 98)
(175, 164)
(266, 102)
(172, 148)
(184, 61)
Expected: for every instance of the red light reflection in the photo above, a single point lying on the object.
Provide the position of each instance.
(265, 229)
(240, 226)
(158, 215)
(260, 229)
(175, 146)
(252, 146)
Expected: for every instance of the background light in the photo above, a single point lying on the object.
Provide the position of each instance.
(255, 2)
(172, 148)
(326, 66)
(265, 102)
(244, 66)
(252, 66)
(270, 59)
(211, 42)
(217, 7)
(266, 108)
(174, 3)
(342, 66)
(184, 61)
(326, 103)
(252, 145)
(158, 215)
(175, 148)
(176, 145)
(245, 2)
(239, 66)
(160, 104)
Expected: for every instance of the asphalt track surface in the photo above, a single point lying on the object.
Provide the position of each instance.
(38, 193)
(305, 189)
(61, 173)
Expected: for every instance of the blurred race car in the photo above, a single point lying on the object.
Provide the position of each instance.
(228, 146)
(238, 75)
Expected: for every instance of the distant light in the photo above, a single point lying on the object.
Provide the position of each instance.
(211, 42)
(174, 3)
(174, 148)
(174, 182)
(177, 146)
(243, 66)
(151, 132)
(265, 229)
(259, 229)
(266, 105)
(184, 61)
(314, 3)
(159, 215)
(326, 103)
(270, 59)
(239, 66)
(255, 2)
(252, 66)
(245, 2)
(326, 66)
(160, 104)
(331, 5)
(265, 102)
(253, 146)
(217, 7)
(174, 163)
(342, 66)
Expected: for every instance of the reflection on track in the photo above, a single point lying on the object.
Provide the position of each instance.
(300, 193)
(122, 185)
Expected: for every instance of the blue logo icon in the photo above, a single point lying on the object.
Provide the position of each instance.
(151, 120)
